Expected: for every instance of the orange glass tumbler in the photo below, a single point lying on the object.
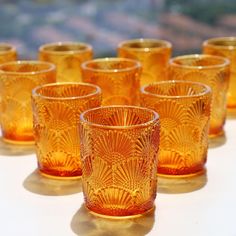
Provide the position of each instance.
(119, 147)
(7, 53)
(17, 79)
(56, 114)
(226, 47)
(184, 109)
(67, 56)
(119, 79)
(212, 71)
(153, 54)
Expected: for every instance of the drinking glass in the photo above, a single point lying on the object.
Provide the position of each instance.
(184, 109)
(212, 71)
(119, 147)
(67, 56)
(7, 53)
(153, 54)
(56, 113)
(226, 47)
(119, 79)
(17, 79)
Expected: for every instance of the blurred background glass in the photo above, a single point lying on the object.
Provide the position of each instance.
(104, 23)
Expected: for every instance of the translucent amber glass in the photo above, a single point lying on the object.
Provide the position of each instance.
(56, 112)
(119, 146)
(67, 56)
(119, 79)
(210, 70)
(153, 54)
(225, 47)
(184, 109)
(17, 79)
(7, 53)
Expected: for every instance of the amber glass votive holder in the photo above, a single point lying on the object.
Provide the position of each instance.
(153, 54)
(56, 113)
(119, 79)
(67, 56)
(225, 47)
(7, 53)
(17, 79)
(184, 109)
(212, 71)
(119, 148)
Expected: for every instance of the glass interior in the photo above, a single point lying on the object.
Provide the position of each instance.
(25, 67)
(176, 89)
(4, 48)
(144, 44)
(223, 42)
(119, 116)
(66, 90)
(199, 61)
(65, 47)
(111, 64)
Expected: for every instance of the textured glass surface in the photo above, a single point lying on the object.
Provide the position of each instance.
(225, 47)
(17, 79)
(56, 110)
(119, 79)
(152, 53)
(7, 53)
(210, 70)
(67, 56)
(119, 147)
(184, 109)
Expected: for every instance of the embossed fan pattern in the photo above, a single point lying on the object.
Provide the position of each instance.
(153, 55)
(225, 47)
(119, 159)
(118, 78)
(210, 70)
(184, 110)
(67, 57)
(17, 81)
(56, 117)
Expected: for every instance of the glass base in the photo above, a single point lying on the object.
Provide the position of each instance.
(217, 134)
(59, 177)
(181, 176)
(181, 183)
(231, 113)
(121, 217)
(16, 142)
(216, 141)
(12, 148)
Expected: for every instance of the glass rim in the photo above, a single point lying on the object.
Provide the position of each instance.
(211, 42)
(125, 44)
(43, 47)
(10, 46)
(136, 64)
(207, 89)
(172, 61)
(35, 93)
(51, 67)
(119, 127)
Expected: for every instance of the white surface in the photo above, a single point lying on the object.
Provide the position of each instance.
(33, 205)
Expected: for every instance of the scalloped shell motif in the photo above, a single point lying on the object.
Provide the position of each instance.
(219, 82)
(56, 128)
(154, 63)
(68, 66)
(120, 169)
(184, 133)
(120, 88)
(16, 111)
